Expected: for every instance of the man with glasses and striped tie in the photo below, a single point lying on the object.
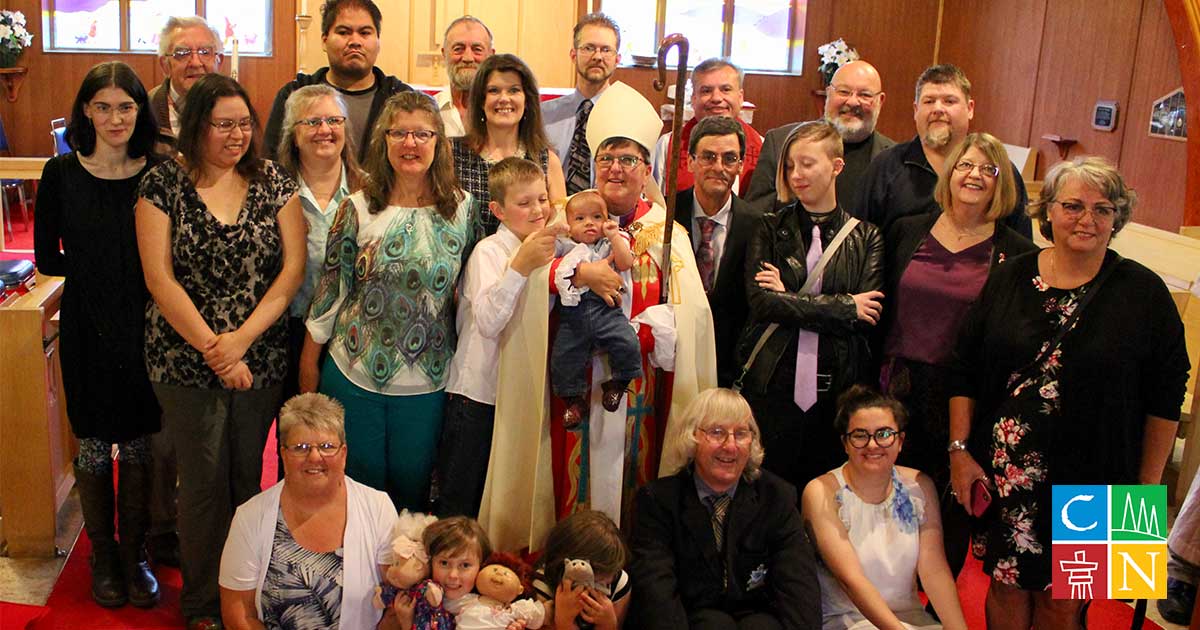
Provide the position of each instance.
(720, 224)
(719, 543)
(188, 48)
(595, 53)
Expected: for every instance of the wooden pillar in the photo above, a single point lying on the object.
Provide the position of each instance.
(1185, 22)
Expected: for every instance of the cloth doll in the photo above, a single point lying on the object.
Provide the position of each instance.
(409, 574)
(502, 580)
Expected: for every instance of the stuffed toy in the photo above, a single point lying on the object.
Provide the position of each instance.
(579, 572)
(502, 580)
(409, 574)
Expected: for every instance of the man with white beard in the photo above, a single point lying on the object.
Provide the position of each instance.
(467, 42)
(853, 101)
(901, 180)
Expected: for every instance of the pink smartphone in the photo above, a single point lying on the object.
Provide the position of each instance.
(981, 498)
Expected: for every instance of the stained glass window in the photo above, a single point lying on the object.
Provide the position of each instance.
(249, 22)
(762, 34)
(97, 24)
(87, 24)
(147, 17)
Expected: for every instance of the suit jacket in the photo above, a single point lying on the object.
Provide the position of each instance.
(761, 194)
(727, 299)
(677, 569)
(161, 108)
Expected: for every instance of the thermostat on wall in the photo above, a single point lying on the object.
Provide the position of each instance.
(1104, 116)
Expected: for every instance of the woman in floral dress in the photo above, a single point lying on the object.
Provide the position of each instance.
(1032, 406)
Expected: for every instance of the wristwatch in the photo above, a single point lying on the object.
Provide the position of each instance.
(956, 445)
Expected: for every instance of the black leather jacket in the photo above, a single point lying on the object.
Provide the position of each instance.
(782, 240)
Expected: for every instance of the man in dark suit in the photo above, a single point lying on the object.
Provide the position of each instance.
(853, 101)
(720, 224)
(720, 545)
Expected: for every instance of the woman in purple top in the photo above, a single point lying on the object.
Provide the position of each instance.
(936, 266)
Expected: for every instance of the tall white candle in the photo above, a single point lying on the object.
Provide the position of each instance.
(303, 7)
(234, 71)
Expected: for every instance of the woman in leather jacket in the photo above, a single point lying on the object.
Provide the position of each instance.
(796, 414)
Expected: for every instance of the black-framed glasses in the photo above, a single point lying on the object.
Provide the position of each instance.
(314, 122)
(1074, 209)
(708, 158)
(863, 95)
(627, 161)
(420, 136)
(717, 435)
(592, 49)
(860, 438)
(183, 54)
(324, 449)
(226, 125)
(987, 170)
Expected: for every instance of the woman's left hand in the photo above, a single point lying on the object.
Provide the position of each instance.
(225, 350)
(768, 278)
(237, 377)
(598, 610)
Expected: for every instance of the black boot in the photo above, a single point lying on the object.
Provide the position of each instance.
(97, 503)
(133, 516)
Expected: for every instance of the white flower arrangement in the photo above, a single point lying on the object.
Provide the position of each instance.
(14, 37)
(834, 55)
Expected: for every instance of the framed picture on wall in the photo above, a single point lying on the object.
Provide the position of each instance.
(1168, 117)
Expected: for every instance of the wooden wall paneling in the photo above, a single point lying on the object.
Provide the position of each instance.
(1185, 24)
(997, 45)
(1155, 167)
(54, 78)
(1087, 55)
(544, 40)
(898, 39)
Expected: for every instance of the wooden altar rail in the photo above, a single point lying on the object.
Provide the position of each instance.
(22, 167)
(36, 444)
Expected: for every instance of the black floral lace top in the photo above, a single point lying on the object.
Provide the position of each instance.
(225, 269)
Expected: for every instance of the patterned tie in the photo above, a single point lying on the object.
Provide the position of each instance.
(705, 260)
(806, 341)
(579, 160)
(720, 505)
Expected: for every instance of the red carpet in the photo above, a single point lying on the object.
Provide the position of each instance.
(70, 606)
(1103, 614)
(20, 616)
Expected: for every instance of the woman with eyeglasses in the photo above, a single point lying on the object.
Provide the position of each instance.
(307, 553)
(86, 203)
(1069, 369)
(221, 236)
(315, 150)
(936, 265)
(384, 304)
(876, 527)
(505, 120)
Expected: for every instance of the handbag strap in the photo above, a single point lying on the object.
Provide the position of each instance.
(818, 270)
(1105, 272)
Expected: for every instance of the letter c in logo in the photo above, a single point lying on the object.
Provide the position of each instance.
(1067, 519)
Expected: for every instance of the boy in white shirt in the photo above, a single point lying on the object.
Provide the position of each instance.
(487, 294)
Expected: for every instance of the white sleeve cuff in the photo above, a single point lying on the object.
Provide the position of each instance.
(661, 320)
(569, 294)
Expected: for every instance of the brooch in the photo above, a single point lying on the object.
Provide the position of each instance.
(758, 577)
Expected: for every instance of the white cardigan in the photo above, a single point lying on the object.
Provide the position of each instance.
(366, 544)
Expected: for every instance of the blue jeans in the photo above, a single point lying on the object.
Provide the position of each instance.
(581, 329)
(463, 455)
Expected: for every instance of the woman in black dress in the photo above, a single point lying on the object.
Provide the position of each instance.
(86, 200)
(1032, 406)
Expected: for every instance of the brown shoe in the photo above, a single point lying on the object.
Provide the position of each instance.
(613, 391)
(575, 413)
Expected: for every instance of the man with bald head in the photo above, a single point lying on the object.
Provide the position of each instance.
(853, 101)
(467, 42)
